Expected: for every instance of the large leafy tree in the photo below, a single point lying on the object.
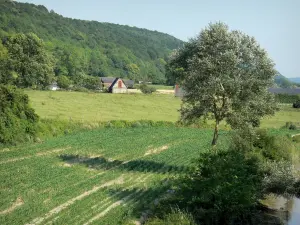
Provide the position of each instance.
(28, 61)
(225, 75)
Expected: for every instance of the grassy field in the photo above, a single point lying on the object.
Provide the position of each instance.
(103, 107)
(104, 176)
(162, 87)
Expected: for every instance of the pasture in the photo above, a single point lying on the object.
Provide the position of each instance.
(103, 107)
(104, 176)
(94, 107)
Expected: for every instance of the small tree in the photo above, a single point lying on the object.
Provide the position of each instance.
(63, 82)
(28, 61)
(146, 89)
(18, 121)
(225, 75)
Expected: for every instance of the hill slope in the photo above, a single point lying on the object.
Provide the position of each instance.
(90, 47)
(282, 81)
(295, 80)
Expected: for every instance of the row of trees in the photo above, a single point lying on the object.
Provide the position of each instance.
(25, 62)
(91, 48)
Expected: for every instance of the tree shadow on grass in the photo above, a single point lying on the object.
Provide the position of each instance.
(139, 165)
(138, 202)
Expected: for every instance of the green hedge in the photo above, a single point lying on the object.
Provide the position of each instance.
(285, 98)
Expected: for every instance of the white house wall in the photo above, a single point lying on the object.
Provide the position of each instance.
(117, 90)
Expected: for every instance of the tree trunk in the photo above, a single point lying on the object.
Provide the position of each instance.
(216, 134)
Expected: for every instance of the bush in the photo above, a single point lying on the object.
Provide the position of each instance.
(296, 138)
(291, 125)
(176, 217)
(63, 82)
(274, 147)
(146, 89)
(225, 187)
(18, 121)
(296, 104)
(286, 98)
(280, 179)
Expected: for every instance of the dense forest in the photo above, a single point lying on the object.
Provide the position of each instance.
(89, 48)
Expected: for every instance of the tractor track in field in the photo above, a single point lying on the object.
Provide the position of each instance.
(61, 207)
(119, 202)
(39, 154)
(58, 209)
(15, 205)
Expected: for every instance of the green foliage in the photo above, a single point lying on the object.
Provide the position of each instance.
(17, 119)
(176, 217)
(274, 147)
(286, 98)
(227, 185)
(224, 189)
(28, 61)
(63, 82)
(225, 76)
(296, 138)
(280, 178)
(90, 47)
(146, 89)
(271, 147)
(296, 104)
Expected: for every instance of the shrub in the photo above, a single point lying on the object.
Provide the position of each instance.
(146, 89)
(176, 217)
(296, 104)
(18, 121)
(274, 147)
(286, 98)
(296, 138)
(63, 82)
(224, 188)
(291, 126)
(280, 179)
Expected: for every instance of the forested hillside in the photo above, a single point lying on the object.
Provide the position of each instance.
(89, 47)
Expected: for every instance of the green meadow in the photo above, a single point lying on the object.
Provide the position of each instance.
(91, 107)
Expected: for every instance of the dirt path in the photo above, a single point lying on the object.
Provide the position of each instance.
(15, 205)
(156, 150)
(36, 155)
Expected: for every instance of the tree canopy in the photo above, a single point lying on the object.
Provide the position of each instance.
(27, 62)
(89, 47)
(225, 75)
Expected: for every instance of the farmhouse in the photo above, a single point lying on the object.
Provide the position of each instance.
(179, 92)
(129, 84)
(114, 85)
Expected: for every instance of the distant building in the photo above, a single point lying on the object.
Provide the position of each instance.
(179, 92)
(129, 84)
(114, 85)
(54, 87)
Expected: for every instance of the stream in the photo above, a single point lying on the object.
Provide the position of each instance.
(288, 210)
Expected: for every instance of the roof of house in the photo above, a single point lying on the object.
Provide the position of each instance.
(107, 79)
(289, 91)
(128, 82)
